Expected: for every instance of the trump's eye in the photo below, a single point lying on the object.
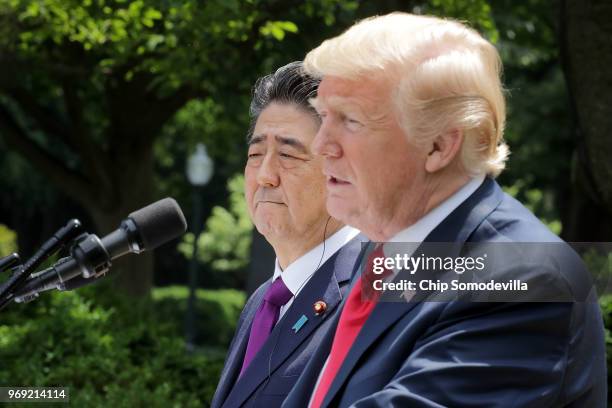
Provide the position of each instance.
(351, 123)
(287, 156)
(250, 155)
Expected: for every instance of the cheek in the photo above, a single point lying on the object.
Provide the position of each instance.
(307, 192)
(250, 187)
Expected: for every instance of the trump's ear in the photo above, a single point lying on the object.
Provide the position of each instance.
(443, 150)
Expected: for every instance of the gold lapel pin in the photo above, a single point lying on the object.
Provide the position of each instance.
(319, 307)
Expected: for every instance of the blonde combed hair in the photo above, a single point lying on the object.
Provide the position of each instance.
(447, 78)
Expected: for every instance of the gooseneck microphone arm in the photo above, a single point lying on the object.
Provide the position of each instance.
(8, 262)
(62, 236)
(91, 257)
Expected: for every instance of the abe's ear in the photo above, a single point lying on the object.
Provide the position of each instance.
(443, 150)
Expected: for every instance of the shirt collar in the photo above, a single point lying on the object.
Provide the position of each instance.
(299, 271)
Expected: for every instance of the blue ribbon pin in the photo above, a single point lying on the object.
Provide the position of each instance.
(299, 324)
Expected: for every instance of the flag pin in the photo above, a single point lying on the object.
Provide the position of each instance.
(299, 324)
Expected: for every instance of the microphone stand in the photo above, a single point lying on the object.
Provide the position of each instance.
(62, 236)
(8, 262)
(11, 262)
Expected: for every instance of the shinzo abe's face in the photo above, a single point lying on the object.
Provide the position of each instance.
(284, 183)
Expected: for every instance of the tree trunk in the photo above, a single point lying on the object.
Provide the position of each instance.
(133, 181)
(586, 49)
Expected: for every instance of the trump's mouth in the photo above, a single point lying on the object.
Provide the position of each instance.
(335, 181)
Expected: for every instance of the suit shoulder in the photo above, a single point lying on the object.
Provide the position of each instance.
(511, 221)
(527, 246)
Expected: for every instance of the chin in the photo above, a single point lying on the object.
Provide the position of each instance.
(270, 226)
(341, 210)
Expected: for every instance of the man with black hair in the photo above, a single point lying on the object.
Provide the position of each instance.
(284, 320)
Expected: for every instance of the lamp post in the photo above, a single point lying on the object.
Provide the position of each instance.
(199, 171)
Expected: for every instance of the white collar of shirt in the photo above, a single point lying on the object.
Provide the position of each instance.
(301, 270)
(418, 231)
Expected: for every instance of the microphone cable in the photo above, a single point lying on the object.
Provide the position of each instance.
(282, 321)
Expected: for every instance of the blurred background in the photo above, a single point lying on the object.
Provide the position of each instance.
(103, 102)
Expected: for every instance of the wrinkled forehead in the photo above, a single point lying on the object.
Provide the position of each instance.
(285, 125)
(364, 93)
(287, 140)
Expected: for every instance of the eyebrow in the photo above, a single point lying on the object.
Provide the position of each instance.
(342, 104)
(289, 141)
(339, 103)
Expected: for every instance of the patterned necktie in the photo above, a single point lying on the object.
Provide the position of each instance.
(266, 317)
(360, 303)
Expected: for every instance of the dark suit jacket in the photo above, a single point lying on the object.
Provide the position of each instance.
(276, 367)
(470, 354)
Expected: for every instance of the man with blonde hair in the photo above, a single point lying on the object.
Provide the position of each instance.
(413, 113)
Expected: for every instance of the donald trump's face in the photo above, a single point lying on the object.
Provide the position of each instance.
(375, 177)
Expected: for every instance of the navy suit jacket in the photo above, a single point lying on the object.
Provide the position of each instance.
(278, 364)
(470, 354)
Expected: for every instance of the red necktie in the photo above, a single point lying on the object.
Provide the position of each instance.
(354, 315)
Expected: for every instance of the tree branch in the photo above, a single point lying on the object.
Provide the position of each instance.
(48, 121)
(166, 107)
(68, 180)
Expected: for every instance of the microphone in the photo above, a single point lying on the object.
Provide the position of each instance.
(91, 257)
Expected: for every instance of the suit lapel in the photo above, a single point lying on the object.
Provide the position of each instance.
(456, 227)
(283, 341)
(238, 348)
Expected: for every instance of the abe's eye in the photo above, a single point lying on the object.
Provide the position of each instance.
(250, 155)
(254, 159)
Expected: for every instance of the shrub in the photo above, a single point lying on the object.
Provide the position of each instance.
(8, 241)
(223, 247)
(130, 354)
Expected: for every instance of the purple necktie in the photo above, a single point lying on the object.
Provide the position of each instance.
(266, 317)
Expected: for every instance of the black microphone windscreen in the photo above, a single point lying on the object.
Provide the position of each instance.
(159, 222)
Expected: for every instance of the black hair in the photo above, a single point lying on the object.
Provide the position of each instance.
(288, 85)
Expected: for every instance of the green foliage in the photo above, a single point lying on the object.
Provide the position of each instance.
(207, 121)
(89, 87)
(606, 309)
(538, 201)
(123, 355)
(112, 33)
(8, 241)
(226, 240)
(538, 127)
(178, 42)
(277, 29)
(476, 13)
(217, 312)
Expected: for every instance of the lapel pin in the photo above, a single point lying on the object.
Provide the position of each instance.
(319, 307)
(299, 324)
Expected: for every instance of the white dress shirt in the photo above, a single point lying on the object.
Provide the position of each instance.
(417, 232)
(298, 273)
